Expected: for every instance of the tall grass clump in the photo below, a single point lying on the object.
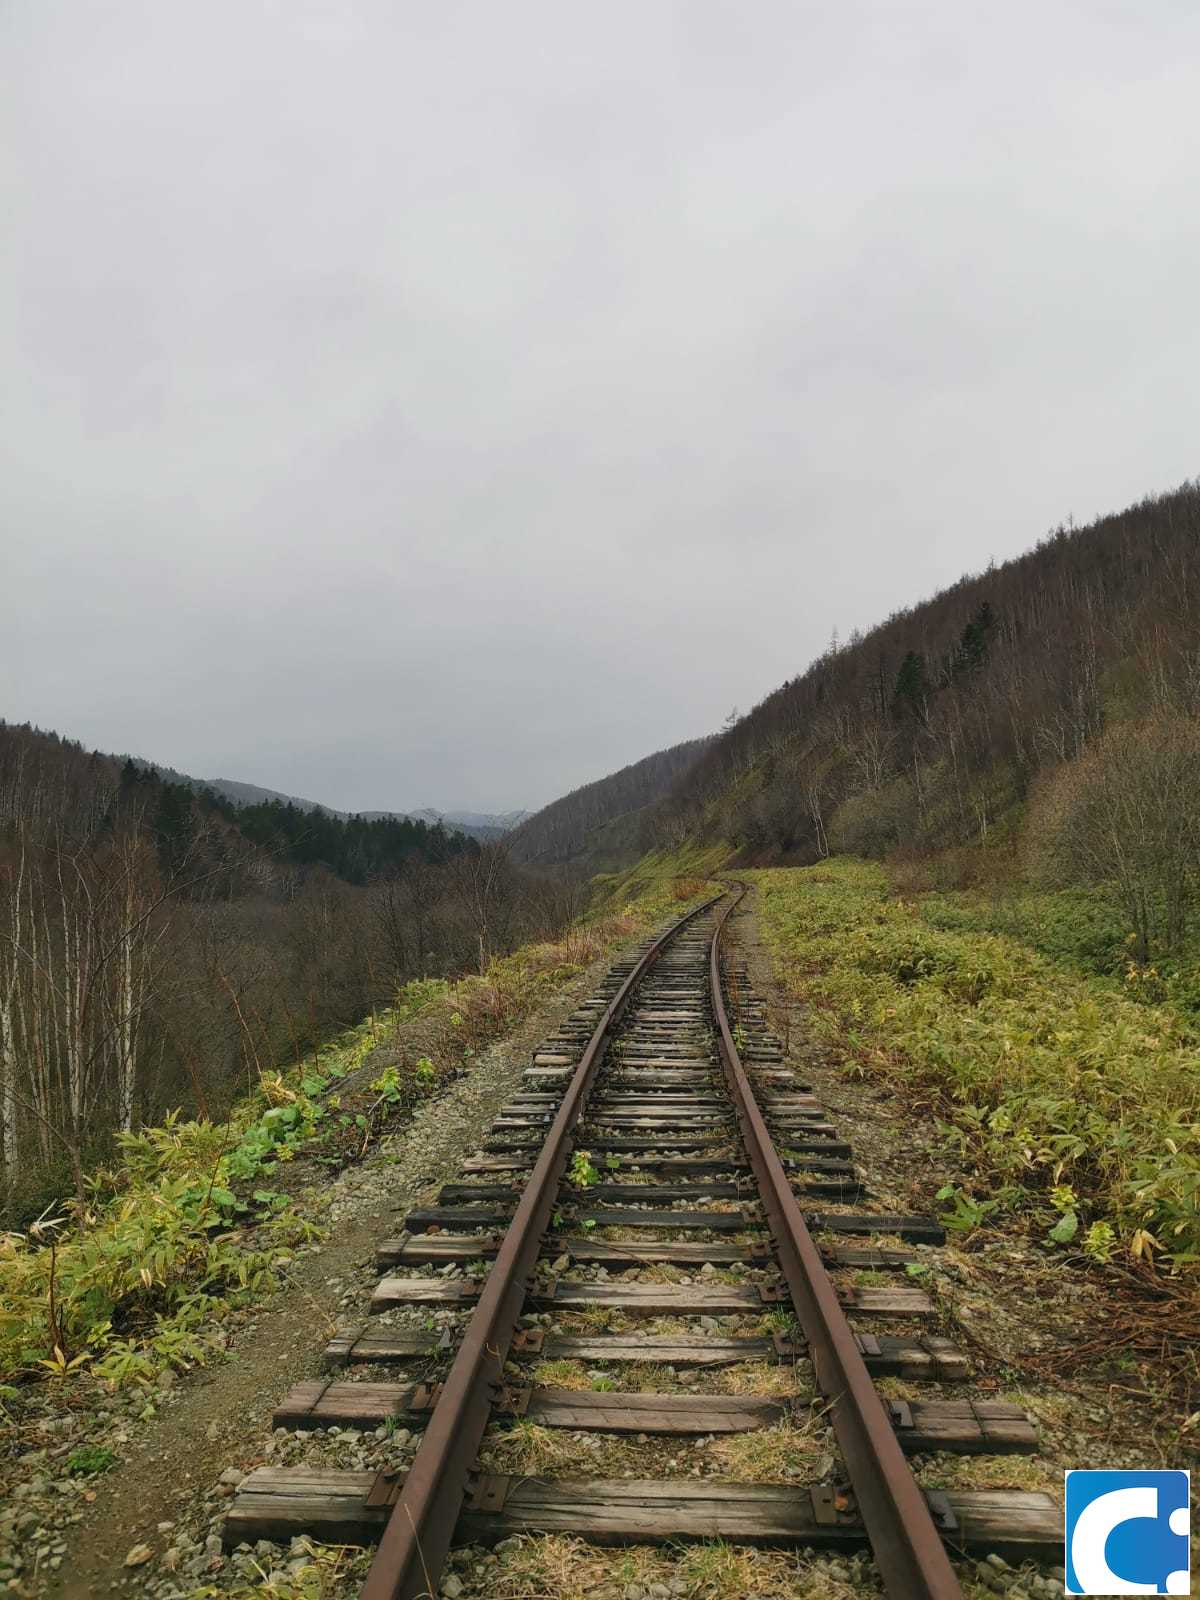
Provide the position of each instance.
(1070, 1099)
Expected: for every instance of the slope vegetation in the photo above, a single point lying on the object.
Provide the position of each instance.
(570, 829)
(933, 729)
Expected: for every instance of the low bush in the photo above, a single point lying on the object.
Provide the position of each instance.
(180, 1228)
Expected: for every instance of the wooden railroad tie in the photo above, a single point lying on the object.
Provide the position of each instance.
(425, 1249)
(649, 1299)
(657, 1193)
(962, 1427)
(886, 1355)
(917, 1230)
(278, 1502)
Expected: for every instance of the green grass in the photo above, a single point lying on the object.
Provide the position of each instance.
(662, 882)
(183, 1226)
(1078, 929)
(1070, 1098)
(89, 1460)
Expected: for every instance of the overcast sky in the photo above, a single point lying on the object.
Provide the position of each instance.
(410, 404)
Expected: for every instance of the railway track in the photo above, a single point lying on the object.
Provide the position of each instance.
(662, 1197)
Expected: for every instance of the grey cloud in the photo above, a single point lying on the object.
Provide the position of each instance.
(448, 405)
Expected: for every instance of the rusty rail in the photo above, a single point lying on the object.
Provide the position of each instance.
(408, 1563)
(908, 1548)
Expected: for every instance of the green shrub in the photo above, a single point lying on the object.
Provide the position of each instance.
(873, 821)
(160, 1256)
(89, 1460)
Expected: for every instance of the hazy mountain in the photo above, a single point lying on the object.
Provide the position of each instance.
(494, 822)
(479, 824)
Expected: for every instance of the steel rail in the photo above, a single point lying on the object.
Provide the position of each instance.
(908, 1549)
(408, 1563)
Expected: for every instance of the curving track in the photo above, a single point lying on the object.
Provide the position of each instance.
(706, 1160)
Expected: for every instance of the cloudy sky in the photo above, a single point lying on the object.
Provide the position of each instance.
(412, 404)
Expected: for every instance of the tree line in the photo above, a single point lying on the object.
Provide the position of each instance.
(355, 848)
(159, 947)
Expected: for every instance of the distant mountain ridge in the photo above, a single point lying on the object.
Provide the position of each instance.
(491, 821)
(482, 825)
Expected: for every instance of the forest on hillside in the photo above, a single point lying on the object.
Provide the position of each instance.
(159, 947)
(561, 831)
(1049, 704)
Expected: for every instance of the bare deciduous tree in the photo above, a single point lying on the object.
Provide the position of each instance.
(1125, 817)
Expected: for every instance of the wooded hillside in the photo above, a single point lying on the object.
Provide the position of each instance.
(561, 831)
(159, 947)
(936, 727)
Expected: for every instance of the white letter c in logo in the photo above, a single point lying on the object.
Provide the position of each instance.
(1092, 1528)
